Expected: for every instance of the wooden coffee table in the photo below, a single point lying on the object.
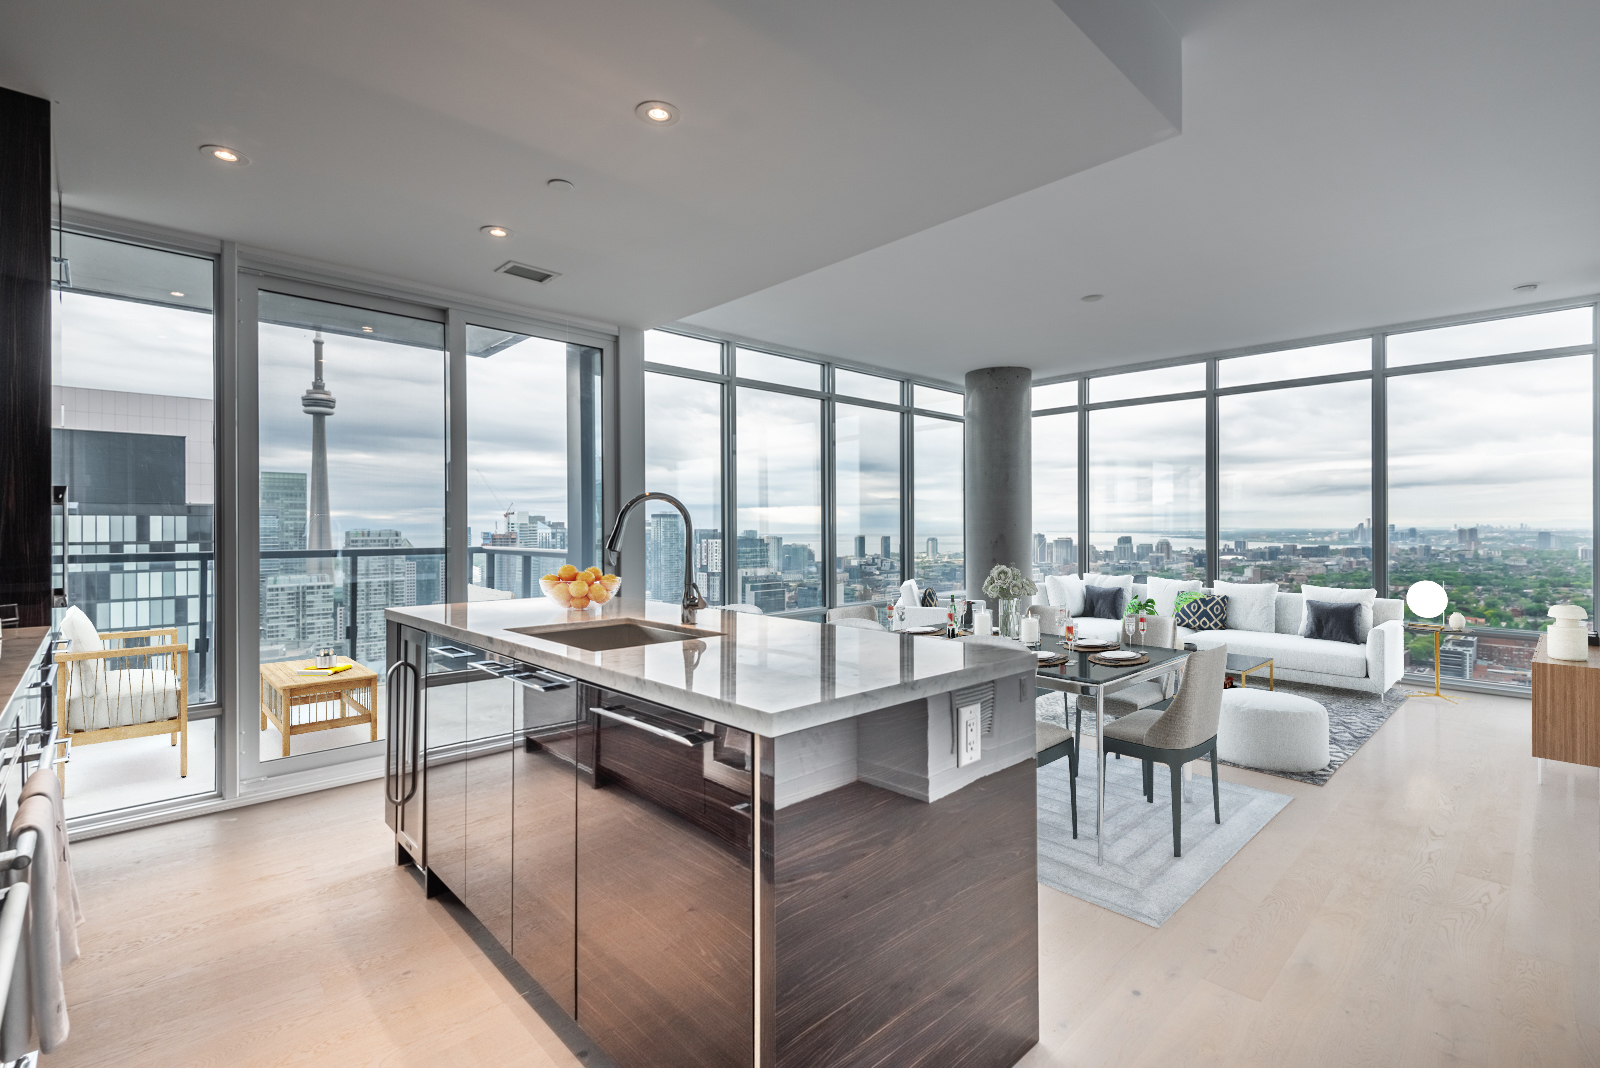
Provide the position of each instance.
(298, 704)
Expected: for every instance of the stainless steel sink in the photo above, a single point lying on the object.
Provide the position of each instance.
(602, 634)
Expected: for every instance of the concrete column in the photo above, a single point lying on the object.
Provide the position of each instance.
(999, 473)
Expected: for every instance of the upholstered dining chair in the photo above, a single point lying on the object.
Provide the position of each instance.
(853, 611)
(1185, 730)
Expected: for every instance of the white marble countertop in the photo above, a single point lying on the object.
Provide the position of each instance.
(764, 674)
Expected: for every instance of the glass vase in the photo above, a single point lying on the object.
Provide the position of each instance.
(1010, 617)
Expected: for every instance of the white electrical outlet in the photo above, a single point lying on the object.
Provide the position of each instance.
(969, 734)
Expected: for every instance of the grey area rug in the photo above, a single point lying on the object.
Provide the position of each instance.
(1353, 717)
(1140, 878)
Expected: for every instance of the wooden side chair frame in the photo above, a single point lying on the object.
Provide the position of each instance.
(177, 727)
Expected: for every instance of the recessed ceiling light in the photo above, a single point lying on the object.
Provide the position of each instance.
(176, 293)
(494, 231)
(1526, 287)
(366, 329)
(1092, 297)
(560, 185)
(657, 113)
(225, 154)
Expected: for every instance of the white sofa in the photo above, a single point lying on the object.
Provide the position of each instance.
(1372, 667)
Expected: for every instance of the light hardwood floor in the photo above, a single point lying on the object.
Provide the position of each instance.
(1432, 905)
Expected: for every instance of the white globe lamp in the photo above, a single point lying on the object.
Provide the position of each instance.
(1427, 599)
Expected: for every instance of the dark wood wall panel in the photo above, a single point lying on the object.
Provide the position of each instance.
(908, 933)
(25, 355)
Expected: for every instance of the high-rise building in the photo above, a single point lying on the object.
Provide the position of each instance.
(1064, 552)
(378, 583)
(1039, 551)
(1467, 535)
(751, 555)
(887, 548)
(663, 547)
(933, 547)
(1164, 549)
(767, 594)
(1124, 549)
(1240, 545)
(1544, 539)
(708, 564)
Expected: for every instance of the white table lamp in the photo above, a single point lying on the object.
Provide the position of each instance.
(1427, 599)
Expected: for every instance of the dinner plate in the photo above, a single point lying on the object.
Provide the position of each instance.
(1120, 654)
(1043, 655)
(923, 630)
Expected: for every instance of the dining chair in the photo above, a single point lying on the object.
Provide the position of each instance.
(857, 623)
(853, 611)
(1185, 730)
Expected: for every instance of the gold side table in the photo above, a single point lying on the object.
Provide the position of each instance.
(1438, 633)
(293, 702)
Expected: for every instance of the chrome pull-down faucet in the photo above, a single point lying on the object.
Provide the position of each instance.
(692, 600)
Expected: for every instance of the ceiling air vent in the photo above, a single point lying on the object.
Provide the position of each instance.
(522, 270)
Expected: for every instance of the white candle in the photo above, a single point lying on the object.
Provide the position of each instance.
(982, 623)
(1030, 630)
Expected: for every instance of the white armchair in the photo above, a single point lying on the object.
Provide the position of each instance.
(107, 690)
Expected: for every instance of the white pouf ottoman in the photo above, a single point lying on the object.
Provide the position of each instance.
(1272, 731)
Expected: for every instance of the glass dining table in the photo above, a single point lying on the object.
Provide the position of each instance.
(1079, 675)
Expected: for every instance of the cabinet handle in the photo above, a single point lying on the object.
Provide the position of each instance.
(685, 737)
(397, 734)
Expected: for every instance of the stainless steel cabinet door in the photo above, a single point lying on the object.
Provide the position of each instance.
(444, 781)
(487, 773)
(544, 910)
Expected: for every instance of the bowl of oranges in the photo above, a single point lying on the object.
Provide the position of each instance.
(571, 588)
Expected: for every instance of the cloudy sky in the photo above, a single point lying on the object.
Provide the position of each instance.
(1493, 446)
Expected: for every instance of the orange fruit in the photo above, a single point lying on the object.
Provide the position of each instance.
(578, 588)
(549, 578)
(599, 594)
(566, 572)
(580, 602)
(560, 595)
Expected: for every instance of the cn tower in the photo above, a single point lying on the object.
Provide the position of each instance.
(318, 404)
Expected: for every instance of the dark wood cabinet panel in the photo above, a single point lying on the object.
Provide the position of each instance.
(665, 911)
(907, 932)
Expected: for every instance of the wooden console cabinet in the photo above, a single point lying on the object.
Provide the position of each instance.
(1566, 708)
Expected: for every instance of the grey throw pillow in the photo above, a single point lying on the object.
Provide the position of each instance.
(1104, 602)
(1334, 622)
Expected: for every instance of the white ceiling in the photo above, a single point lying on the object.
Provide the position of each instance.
(382, 135)
(1343, 165)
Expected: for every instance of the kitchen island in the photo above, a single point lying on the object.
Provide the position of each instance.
(753, 841)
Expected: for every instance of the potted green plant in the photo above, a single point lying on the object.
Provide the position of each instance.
(1135, 617)
(1008, 585)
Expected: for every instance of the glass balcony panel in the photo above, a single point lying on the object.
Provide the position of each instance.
(939, 554)
(683, 457)
(1147, 484)
(1055, 494)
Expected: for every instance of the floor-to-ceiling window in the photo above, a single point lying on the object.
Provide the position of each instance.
(1294, 466)
(1147, 480)
(683, 425)
(803, 469)
(351, 409)
(1055, 480)
(1491, 483)
(939, 452)
(1458, 451)
(867, 502)
(528, 465)
(133, 440)
(781, 557)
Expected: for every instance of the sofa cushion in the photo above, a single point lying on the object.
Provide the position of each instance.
(1165, 591)
(86, 676)
(1205, 612)
(1287, 651)
(1104, 602)
(1333, 622)
(1251, 605)
(1065, 591)
(1329, 594)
